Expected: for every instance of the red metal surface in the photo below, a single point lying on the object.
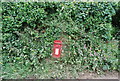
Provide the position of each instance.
(57, 48)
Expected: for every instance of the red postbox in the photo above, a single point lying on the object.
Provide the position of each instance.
(57, 48)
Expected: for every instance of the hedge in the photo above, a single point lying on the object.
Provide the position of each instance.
(29, 30)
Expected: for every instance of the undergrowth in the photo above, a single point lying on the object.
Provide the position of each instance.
(86, 30)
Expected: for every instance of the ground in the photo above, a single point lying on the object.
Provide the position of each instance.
(62, 71)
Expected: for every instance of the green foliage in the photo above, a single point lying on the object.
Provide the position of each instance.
(29, 30)
(116, 22)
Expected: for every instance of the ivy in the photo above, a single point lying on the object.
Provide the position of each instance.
(29, 30)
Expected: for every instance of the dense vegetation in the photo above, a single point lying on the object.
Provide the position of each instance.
(87, 30)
